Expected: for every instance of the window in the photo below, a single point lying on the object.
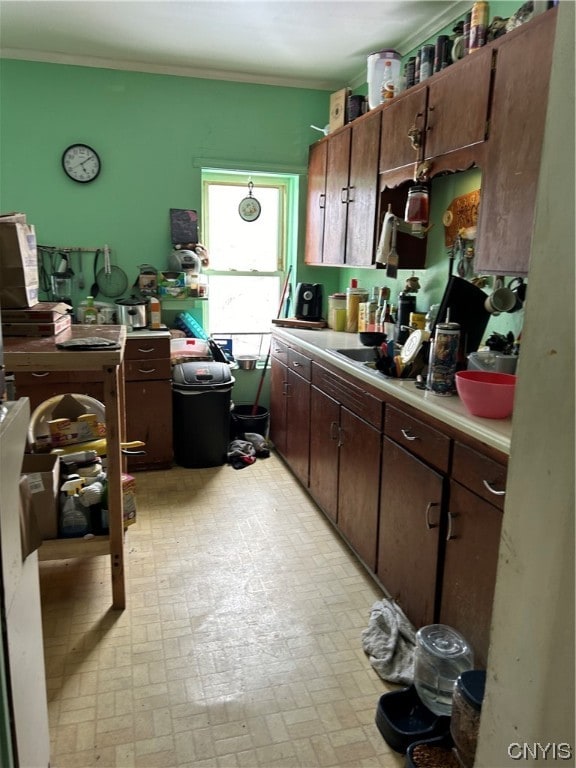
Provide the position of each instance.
(247, 258)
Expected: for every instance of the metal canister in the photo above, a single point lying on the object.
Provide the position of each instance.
(426, 62)
(443, 359)
(478, 26)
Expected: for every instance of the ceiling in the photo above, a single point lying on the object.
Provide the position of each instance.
(321, 44)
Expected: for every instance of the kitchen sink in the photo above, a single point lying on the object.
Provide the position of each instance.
(360, 355)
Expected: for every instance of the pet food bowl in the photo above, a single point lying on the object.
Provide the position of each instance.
(246, 362)
(402, 719)
(486, 394)
(432, 753)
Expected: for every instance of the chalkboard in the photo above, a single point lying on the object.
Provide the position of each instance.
(183, 226)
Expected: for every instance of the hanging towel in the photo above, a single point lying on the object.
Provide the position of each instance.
(385, 242)
(390, 642)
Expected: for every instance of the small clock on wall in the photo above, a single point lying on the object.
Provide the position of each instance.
(81, 163)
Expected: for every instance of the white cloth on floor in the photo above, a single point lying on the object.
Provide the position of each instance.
(390, 642)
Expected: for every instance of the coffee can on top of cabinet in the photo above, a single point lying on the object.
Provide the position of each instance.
(478, 26)
(426, 62)
(443, 359)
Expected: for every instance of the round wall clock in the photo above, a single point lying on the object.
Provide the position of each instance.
(249, 208)
(81, 163)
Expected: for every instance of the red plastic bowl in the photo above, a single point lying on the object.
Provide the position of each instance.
(490, 395)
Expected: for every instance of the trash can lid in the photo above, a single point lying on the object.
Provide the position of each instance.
(201, 374)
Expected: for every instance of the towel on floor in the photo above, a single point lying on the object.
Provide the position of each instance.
(390, 642)
(241, 454)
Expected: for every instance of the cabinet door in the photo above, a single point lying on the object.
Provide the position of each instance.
(470, 563)
(405, 111)
(408, 541)
(336, 198)
(149, 418)
(298, 425)
(315, 202)
(362, 196)
(512, 165)
(324, 448)
(358, 484)
(278, 393)
(458, 103)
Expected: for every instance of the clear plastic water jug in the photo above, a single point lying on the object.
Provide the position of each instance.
(442, 654)
(376, 66)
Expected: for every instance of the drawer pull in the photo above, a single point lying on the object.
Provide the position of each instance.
(296, 364)
(146, 370)
(430, 525)
(450, 536)
(493, 490)
(146, 351)
(407, 435)
(41, 375)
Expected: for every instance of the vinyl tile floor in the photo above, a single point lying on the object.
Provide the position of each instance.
(240, 644)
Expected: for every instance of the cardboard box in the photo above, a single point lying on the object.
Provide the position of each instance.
(43, 474)
(129, 502)
(338, 108)
(39, 329)
(172, 285)
(42, 312)
(18, 262)
(80, 430)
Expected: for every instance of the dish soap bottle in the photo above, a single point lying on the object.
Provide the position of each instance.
(74, 519)
(90, 312)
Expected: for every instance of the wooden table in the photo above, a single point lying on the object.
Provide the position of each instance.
(42, 354)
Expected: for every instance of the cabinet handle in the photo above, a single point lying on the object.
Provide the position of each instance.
(333, 430)
(322, 200)
(340, 437)
(344, 195)
(146, 351)
(285, 388)
(430, 525)
(41, 375)
(296, 364)
(493, 490)
(449, 535)
(407, 435)
(146, 370)
(350, 197)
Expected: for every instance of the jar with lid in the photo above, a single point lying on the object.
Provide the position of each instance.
(444, 353)
(466, 706)
(337, 311)
(416, 211)
(354, 297)
(442, 654)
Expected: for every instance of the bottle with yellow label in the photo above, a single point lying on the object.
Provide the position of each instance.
(90, 312)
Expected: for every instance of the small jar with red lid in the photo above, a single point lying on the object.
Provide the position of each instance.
(417, 206)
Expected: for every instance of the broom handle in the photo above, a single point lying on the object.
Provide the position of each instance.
(261, 382)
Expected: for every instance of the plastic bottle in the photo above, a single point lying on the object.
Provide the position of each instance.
(90, 312)
(74, 518)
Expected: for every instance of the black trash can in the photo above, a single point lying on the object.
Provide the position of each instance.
(243, 420)
(201, 394)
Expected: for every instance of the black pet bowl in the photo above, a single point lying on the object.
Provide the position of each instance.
(432, 752)
(371, 338)
(403, 719)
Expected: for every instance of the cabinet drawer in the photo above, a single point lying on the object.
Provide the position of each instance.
(139, 370)
(299, 363)
(42, 377)
(144, 349)
(480, 474)
(417, 437)
(349, 395)
(279, 350)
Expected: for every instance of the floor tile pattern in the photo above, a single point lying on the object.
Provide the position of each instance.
(240, 645)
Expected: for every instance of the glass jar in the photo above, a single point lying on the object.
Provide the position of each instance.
(337, 311)
(417, 210)
(442, 654)
(466, 705)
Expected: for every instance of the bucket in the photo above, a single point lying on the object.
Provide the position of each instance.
(243, 420)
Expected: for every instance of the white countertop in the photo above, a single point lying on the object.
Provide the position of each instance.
(495, 433)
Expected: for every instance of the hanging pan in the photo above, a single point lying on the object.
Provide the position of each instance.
(111, 280)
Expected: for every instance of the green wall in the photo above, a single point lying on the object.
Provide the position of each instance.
(153, 133)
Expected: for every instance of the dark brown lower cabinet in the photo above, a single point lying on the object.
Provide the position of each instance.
(409, 538)
(298, 425)
(324, 451)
